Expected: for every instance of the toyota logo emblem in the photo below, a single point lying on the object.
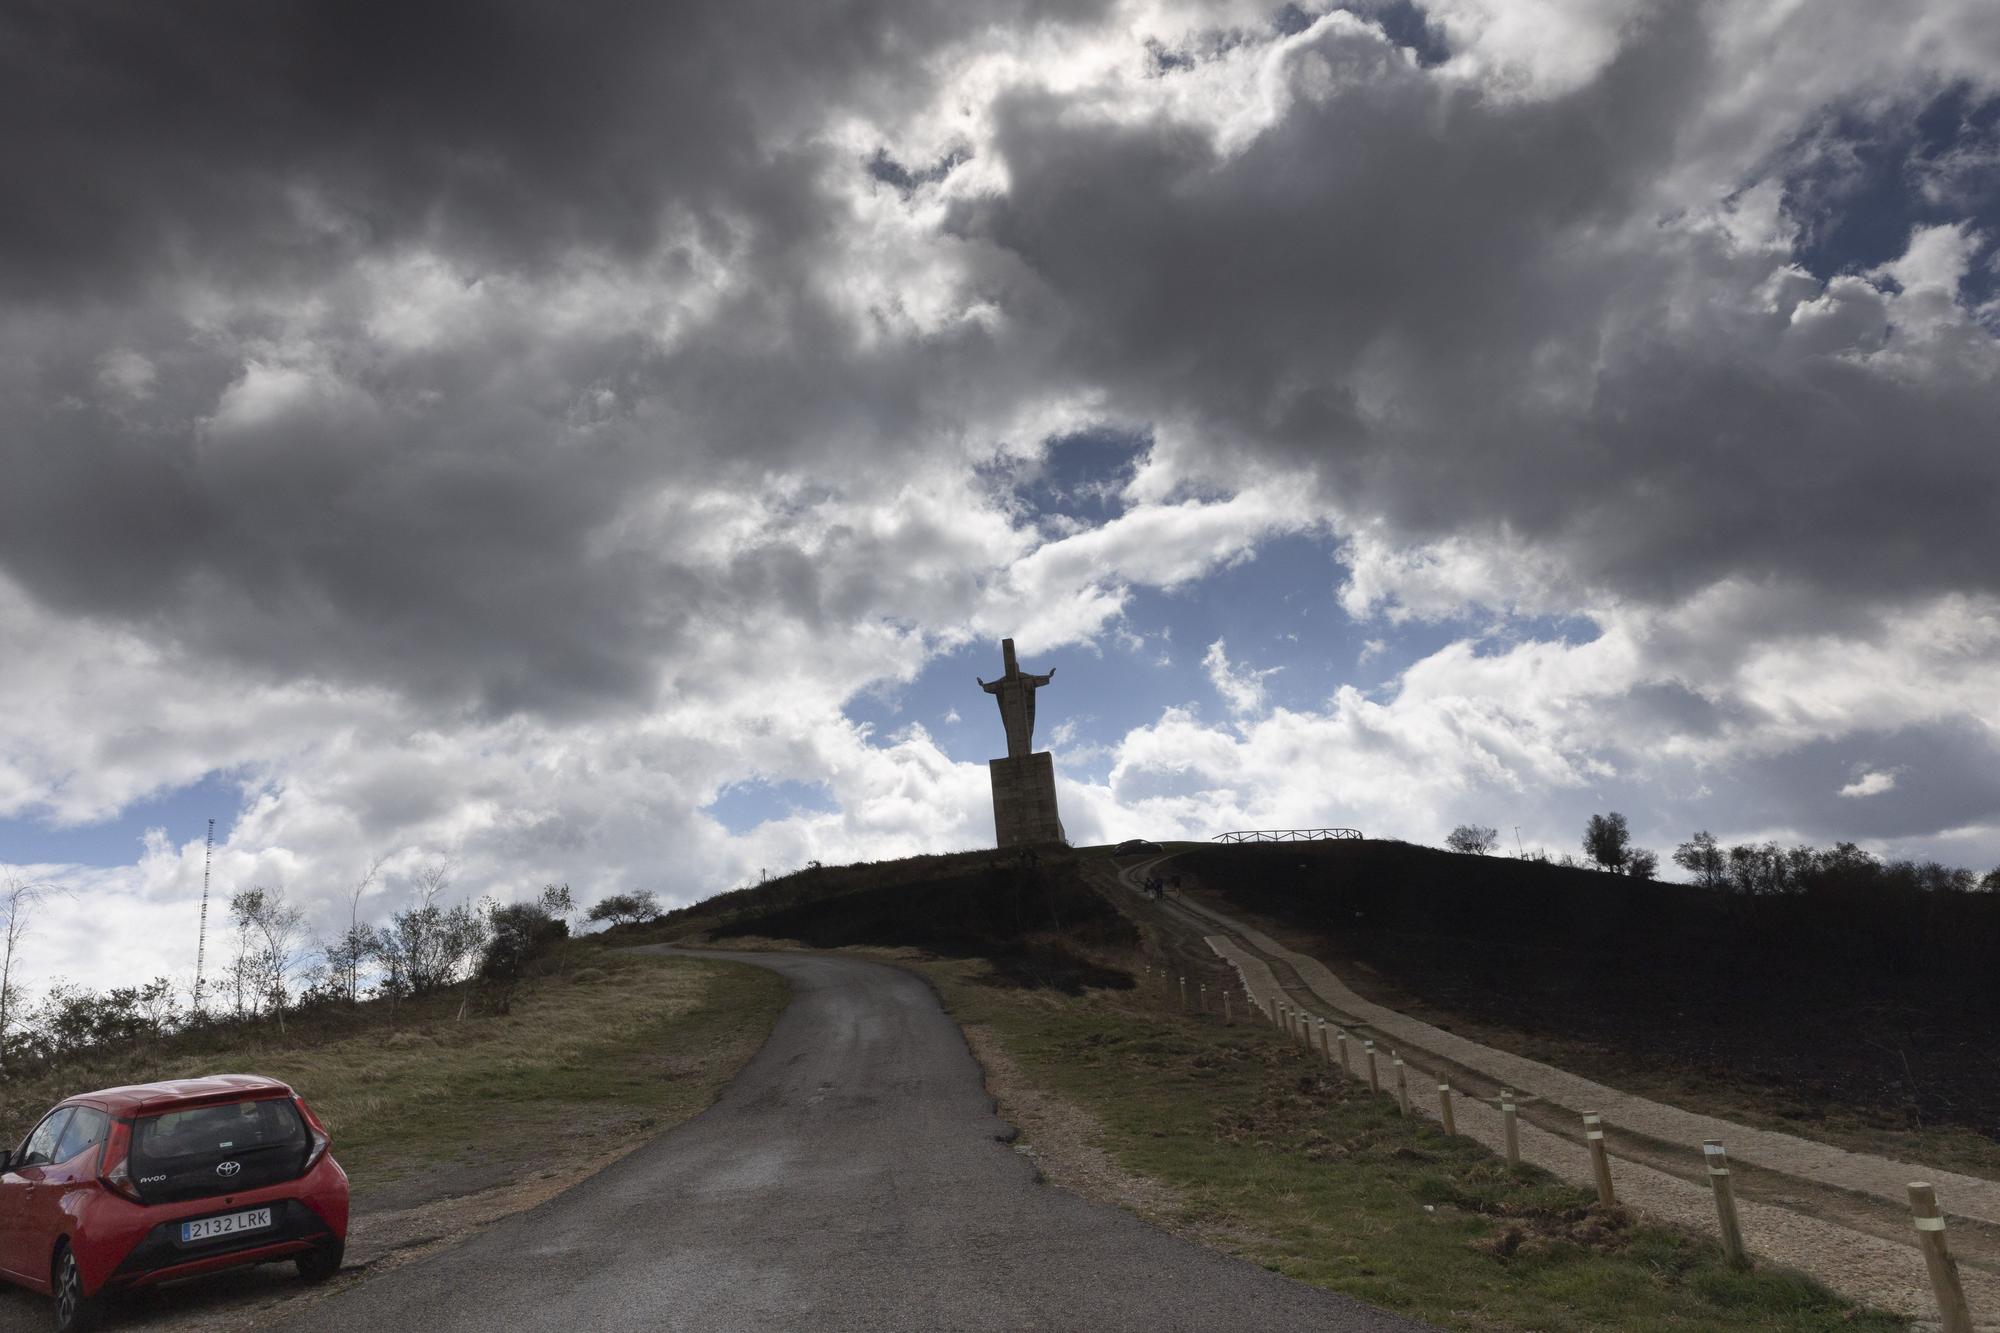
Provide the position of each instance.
(227, 1169)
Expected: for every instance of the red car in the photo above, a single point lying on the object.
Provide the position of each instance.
(135, 1186)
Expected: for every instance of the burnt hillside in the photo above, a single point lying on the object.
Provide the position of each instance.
(1863, 992)
(1035, 918)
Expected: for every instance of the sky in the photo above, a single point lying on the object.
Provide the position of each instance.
(606, 448)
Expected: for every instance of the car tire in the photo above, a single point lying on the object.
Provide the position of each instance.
(74, 1311)
(320, 1264)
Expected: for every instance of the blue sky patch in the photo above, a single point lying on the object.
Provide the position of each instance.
(1859, 185)
(183, 812)
(742, 806)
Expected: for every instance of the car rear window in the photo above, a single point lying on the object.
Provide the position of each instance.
(209, 1150)
(208, 1132)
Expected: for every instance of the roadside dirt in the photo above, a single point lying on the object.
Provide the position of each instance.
(1059, 1136)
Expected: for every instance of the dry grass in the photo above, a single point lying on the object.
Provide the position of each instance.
(617, 1049)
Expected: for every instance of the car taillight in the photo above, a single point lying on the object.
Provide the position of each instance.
(116, 1174)
(321, 1141)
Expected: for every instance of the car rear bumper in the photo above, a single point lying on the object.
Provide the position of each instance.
(161, 1256)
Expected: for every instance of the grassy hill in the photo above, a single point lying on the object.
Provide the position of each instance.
(422, 1103)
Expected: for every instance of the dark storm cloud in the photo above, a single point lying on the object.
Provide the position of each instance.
(432, 517)
(1423, 287)
(1454, 305)
(506, 132)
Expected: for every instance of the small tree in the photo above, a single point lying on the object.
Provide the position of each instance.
(346, 955)
(1759, 870)
(1641, 864)
(521, 934)
(560, 904)
(1701, 857)
(18, 901)
(624, 909)
(1476, 839)
(1607, 841)
(274, 930)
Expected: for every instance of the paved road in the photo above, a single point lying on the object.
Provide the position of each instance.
(850, 1177)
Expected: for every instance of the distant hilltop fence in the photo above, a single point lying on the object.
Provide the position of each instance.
(1287, 835)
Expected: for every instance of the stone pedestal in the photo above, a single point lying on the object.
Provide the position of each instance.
(1024, 800)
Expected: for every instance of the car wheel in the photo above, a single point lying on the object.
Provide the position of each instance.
(74, 1311)
(320, 1264)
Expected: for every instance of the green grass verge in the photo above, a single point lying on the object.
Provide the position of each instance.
(632, 1046)
(586, 1063)
(1287, 1164)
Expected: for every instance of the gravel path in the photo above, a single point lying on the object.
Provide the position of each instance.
(853, 1176)
(1883, 1272)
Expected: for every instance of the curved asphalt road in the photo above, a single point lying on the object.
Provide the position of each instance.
(850, 1177)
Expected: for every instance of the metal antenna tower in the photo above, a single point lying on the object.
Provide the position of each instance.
(201, 942)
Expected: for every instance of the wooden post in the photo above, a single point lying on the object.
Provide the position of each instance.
(1402, 1084)
(1600, 1161)
(1725, 1201)
(1201, 996)
(1228, 1011)
(1444, 1105)
(1512, 1124)
(1278, 1012)
(1346, 1057)
(1937, 1258)
(1326, 1040)
(1183, 992)
(1374, 1079)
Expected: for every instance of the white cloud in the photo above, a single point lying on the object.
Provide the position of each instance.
(1872, 783)
(1241, 687)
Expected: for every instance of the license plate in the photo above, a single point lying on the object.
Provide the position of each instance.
(210, 1228)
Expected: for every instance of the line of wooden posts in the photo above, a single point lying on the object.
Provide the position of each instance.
(1333, 1044)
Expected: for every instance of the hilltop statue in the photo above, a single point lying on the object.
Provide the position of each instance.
(1024, 783)
(1016, 692)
